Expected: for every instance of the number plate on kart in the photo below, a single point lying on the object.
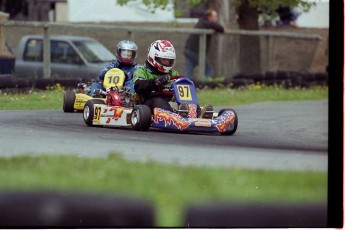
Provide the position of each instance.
(114, 77)
(184, 92)
(97, 115)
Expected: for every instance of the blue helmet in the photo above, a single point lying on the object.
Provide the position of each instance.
(126, 52)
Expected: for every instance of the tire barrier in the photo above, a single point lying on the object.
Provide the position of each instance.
(256, 216)
(51, 209)
(76, 210)
(7, 82)
(283, 78)
(6, 65)
(286, 79)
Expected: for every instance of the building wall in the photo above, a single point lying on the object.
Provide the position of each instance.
(61, 12)
(38, 10)
(110, 11)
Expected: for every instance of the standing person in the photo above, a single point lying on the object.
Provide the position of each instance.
(126, 53)
(191, 51)
(287, 16)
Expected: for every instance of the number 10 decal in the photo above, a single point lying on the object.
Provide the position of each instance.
(184, 92)
(114, 80)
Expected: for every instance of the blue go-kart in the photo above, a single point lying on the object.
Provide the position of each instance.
(183, 91)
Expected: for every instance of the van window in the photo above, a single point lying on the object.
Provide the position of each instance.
(62, 52)
(94, 52)
(33, 50)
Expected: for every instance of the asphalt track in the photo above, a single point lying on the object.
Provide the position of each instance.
(280, 136)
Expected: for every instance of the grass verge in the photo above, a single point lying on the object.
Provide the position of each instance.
(53, 98)
(168, 187)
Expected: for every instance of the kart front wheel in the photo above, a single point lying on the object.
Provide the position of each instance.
(141, 118)
(89, 111)
(68, 102)
(231, 132)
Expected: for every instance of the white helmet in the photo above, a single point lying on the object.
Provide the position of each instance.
(126, 52)
(162, 55)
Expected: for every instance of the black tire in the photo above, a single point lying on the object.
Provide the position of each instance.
(68, 83)
(76, 210)
(68, 102)
(7, 82)
(43, 83)
(236, 121)
(236, 215)
(141, 118)
(239, 82)
(89, 110)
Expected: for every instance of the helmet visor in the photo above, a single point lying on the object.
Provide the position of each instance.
(126, 54)
(165, 61)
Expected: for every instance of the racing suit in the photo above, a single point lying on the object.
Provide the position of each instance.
(128, 69)
(144, 85)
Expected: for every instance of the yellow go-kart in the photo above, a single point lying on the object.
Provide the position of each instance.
(76, 100)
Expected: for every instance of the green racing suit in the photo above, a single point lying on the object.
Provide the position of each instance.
(144, 85)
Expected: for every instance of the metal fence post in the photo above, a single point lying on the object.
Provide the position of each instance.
(269, 53)
(202, 56)
(3, 50)
(46, 52)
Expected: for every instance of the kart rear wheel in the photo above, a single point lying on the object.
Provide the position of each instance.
(68, 102)
(141, 118)
(89, 110)
(228, 133)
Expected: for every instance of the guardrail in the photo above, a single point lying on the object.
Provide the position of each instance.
(131, 30)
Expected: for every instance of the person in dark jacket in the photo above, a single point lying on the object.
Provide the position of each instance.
(191, 50)
(287, 15)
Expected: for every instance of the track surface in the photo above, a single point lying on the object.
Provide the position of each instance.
(283, 136)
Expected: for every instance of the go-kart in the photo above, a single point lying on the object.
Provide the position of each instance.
(140, 118)
(75, 100)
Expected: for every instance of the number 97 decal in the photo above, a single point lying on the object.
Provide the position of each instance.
(97, 115)
(184, 93)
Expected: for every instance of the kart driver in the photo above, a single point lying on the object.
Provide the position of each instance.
(126, 53)
(156, 73)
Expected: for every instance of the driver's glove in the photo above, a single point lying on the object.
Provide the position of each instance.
(162, 80)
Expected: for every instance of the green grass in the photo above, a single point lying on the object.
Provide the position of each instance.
(52, 99)
(32, 100)
(169, 188)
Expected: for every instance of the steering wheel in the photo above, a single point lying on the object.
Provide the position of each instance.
(167, 91)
